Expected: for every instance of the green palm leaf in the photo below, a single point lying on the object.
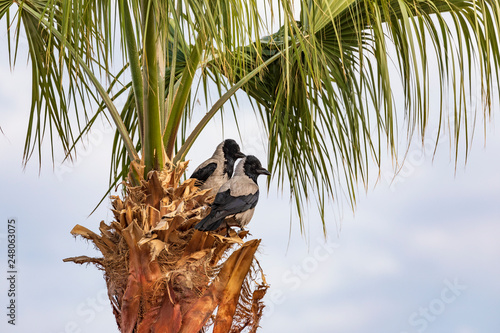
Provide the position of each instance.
(332, 86)
(322, 84)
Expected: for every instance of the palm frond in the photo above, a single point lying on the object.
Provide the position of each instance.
(323, 83)
(328, 101)
(65, 53)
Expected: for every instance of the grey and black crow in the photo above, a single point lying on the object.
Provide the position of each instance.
(218, 169)
(235, 202)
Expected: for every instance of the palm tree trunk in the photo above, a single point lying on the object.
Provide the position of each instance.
(162, 274)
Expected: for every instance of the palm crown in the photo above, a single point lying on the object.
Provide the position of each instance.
(320, 83)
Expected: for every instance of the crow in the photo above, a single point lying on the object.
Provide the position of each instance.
(235, 201)
(218, 169)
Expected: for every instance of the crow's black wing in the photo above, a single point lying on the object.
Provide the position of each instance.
(202, 174)
(225, 205)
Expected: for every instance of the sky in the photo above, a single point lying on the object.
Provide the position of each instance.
(419, 254)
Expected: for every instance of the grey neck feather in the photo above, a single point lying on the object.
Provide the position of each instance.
(240, 171)
(219, 153)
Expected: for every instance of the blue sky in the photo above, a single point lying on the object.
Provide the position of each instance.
(420, 254)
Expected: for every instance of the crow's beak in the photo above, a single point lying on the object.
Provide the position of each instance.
(263, 171)
(239, 155)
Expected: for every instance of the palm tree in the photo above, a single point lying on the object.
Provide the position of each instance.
(321, 85)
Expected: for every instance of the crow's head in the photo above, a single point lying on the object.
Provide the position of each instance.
(232, 150)
(253, 168)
